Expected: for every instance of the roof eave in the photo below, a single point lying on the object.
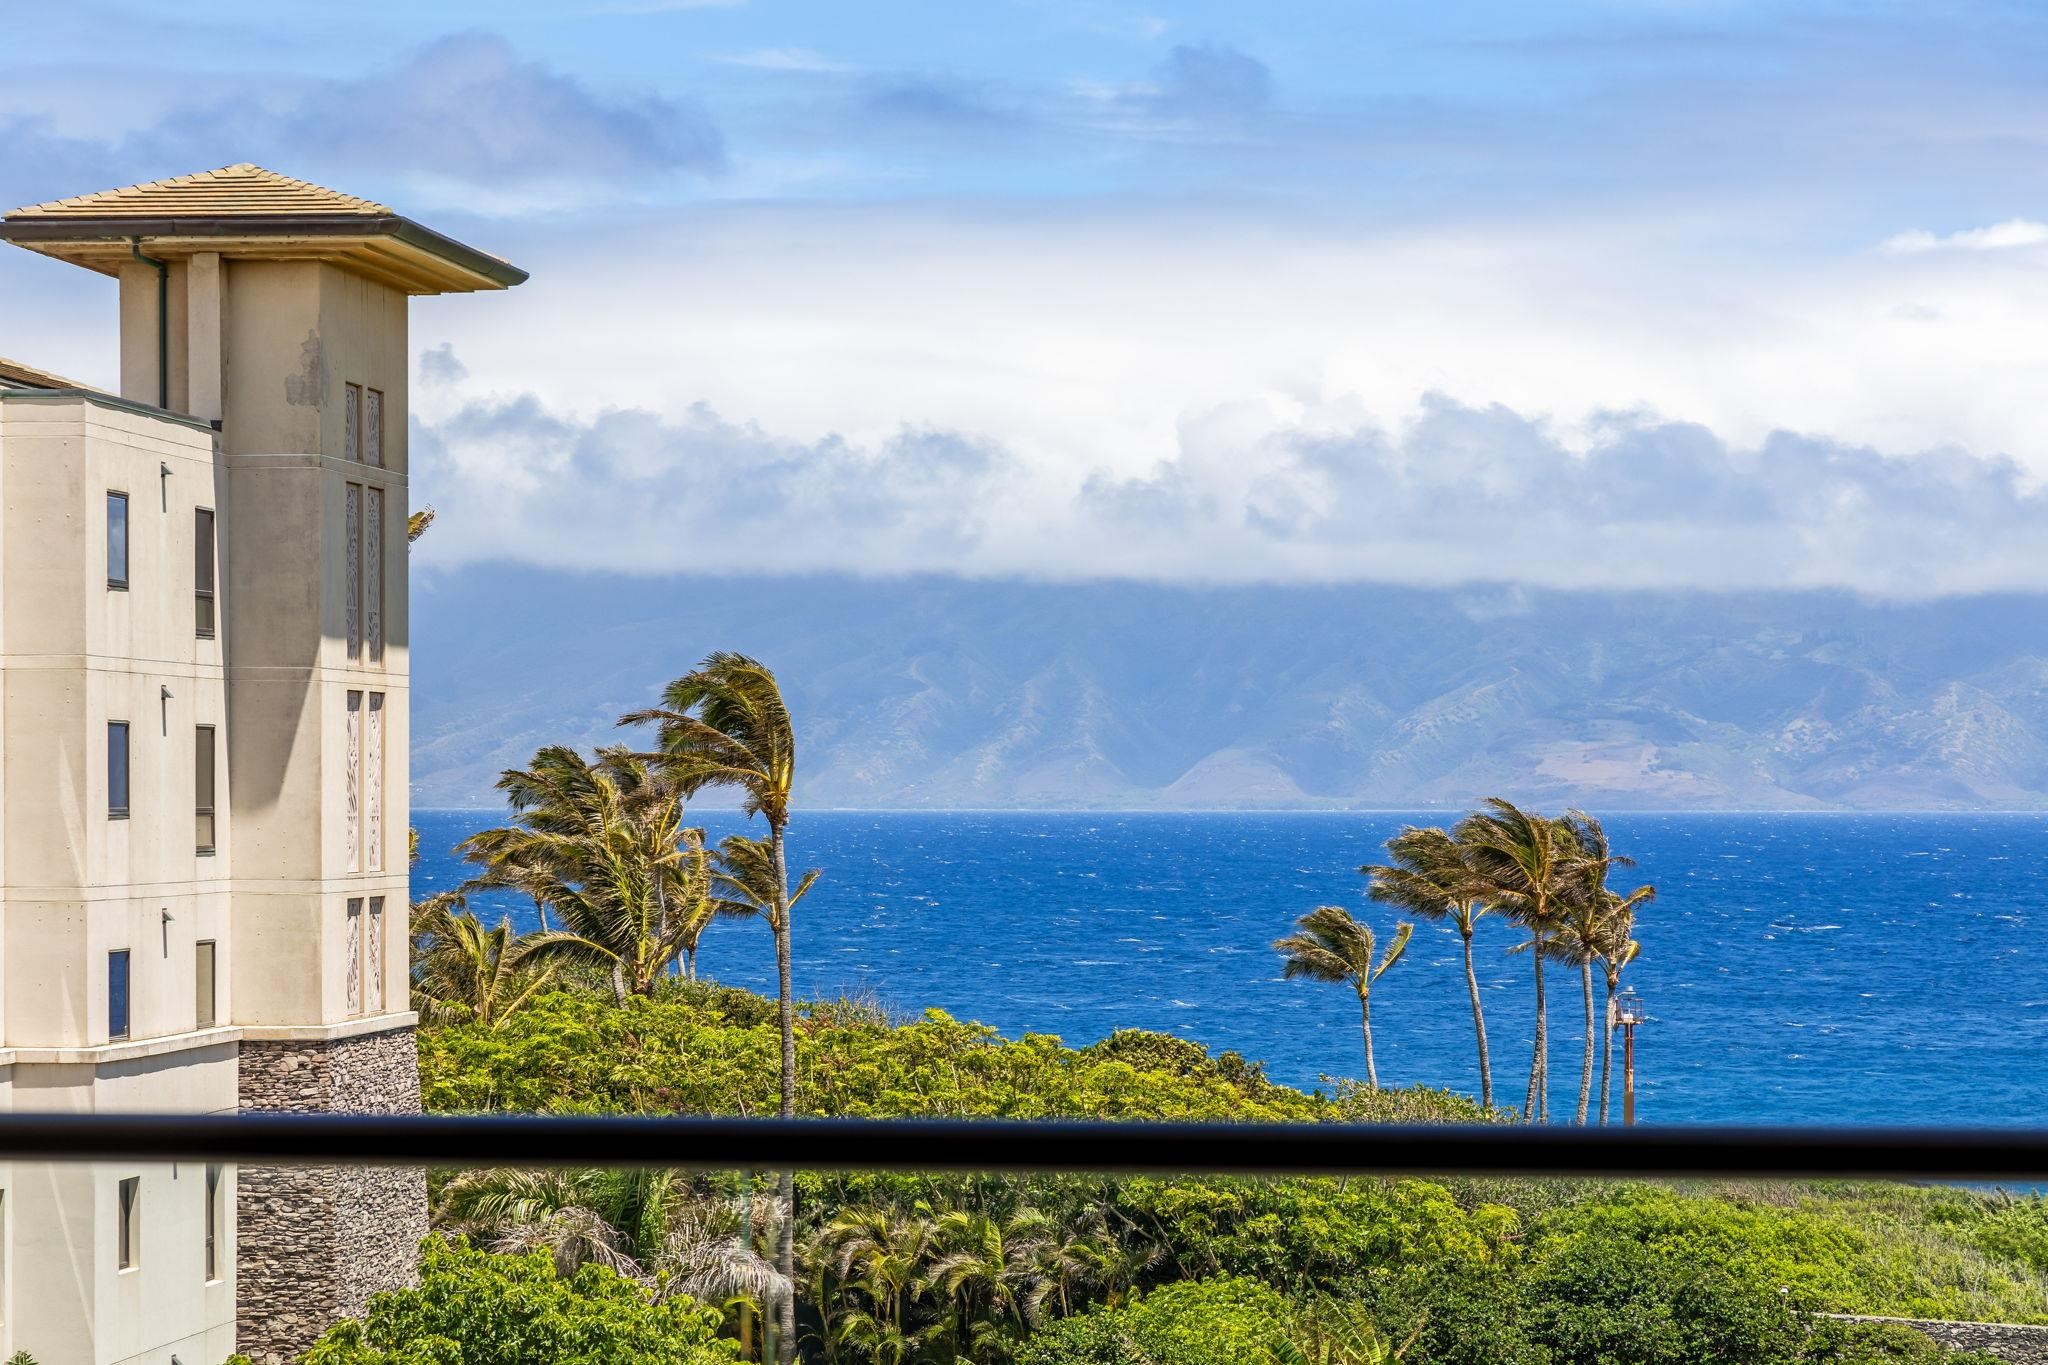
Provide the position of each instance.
(35, 232)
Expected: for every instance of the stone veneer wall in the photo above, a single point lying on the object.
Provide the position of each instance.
(315, 1242)
(2014, 1343)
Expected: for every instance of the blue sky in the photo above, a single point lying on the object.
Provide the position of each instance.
(1291, 291)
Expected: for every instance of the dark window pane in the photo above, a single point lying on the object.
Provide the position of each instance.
(117, 540)
(117, 768)
(202, 984)
(202, 794)
(117, 994)
(202, 571)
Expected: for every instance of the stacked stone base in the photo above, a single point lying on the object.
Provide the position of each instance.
(315, 1242)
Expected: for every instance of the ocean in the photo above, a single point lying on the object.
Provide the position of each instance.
(1797, 968)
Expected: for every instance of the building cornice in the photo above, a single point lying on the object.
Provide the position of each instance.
(200, 1039)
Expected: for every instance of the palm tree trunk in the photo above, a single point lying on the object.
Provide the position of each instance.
(1606, 1052)
(1586, 1066)
(690, 964)
(1372, 1072)
(785, 1249)
(1478, 1026)
(1536, 1076)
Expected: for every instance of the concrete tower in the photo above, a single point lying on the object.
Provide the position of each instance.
(203, 835)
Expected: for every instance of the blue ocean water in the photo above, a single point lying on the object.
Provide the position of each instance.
(1798, 968)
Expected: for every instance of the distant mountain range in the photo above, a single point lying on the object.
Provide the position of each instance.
(944, 692)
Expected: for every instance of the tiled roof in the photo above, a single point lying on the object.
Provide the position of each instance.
(13, 372)
(231, 191)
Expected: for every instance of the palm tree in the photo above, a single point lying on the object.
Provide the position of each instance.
(991, 1268)
(462, 970)
(883, 1254)
(1574, 945)
(602, 844)
(1615, 948)
(726, 725)
(1521, 865)
(1428, 878)
(745, 882)
(1599, 924)
(1329, 945)
(566, 1213)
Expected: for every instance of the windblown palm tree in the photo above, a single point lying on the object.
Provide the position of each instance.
(1522, 864)
(1598, 928)
(1329, 945)
(462, 970)
(1429, 879)
(602, 845)
(1616, 948)
(726, 725)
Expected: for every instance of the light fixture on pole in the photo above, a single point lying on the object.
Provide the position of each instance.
(1628, 1012)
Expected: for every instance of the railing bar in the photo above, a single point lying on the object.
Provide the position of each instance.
(997, 1145)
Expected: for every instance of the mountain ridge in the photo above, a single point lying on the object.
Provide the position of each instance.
(948, 693)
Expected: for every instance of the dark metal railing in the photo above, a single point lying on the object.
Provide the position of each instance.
(998, 1145)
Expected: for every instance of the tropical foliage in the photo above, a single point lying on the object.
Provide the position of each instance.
(601, 1011)
(473, 1307)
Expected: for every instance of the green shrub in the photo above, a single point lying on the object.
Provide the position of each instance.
(478, 1308)
(1193, 1322)
(694, 1048)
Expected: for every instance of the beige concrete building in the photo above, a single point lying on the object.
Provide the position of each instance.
(203, 805)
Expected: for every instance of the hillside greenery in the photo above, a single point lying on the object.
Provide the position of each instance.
(600, 1011)
(1074, 1270)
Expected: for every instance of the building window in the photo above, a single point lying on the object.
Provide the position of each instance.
(117, 994)
(373, 427)
(214, 1220)
(117, 770)
(373, 572)
(373, 783)
(352, 421)
(205, 1011)
(202, 787)
(354, 952)
(117, 539)
(373, 948)
(128, 1237)
(202, 572)
(352, 801)
(352, 567)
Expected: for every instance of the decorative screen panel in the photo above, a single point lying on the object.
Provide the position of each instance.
(374, 944)
(354, 956)
(373, 427)
(373, 573)
(352, 421)
(373, 784)
(352, 567)
(354, 801)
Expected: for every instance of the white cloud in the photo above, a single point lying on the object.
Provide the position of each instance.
(1997, 237)
(1255, 492)
(1130, 393)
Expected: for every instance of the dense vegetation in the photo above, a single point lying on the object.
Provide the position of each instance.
(600, 1011)
(1072, 1271)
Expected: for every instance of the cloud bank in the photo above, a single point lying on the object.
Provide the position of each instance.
(1462, 494)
